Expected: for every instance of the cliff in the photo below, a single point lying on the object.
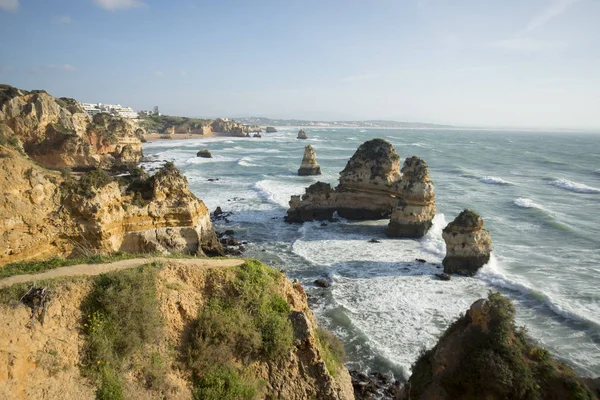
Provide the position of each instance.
(309, 165)
(371, 186)
(57, 133)
(46, 213)
(190, 333)
(484, 356)
(468, 245)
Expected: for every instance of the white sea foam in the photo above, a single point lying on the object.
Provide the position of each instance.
(527, 203)
(574, 186)
(201, 160)
(433, 242)
(492, 180)
(279, 192)
(247, 162)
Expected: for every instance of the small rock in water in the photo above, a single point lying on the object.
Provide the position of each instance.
(218, 211)
(204, 154)
(373, 240)
(322, 283)
(333, 220)
(420, 260)
(443, 276)
(323, 224)
(374, 386)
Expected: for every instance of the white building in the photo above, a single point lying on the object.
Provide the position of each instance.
(114, 109)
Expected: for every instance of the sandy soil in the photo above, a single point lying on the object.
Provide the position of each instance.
(97, 269)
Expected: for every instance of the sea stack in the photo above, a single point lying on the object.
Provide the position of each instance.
(413, 215)
(468, 245)
(271, 129)
(483, 355)
(302, 134)
(372, 187)
(309, 164)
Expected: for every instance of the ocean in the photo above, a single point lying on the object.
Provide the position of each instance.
(538, 193)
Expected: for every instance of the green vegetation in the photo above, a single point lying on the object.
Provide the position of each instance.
(33, 267)
(498, 362)
(245, 321)
(89, 183)
(332, 350)
(122, 322)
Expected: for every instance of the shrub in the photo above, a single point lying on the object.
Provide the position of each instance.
(122, 319)
(89, 183)
(246, 321)
(332, 350)
(225, 383)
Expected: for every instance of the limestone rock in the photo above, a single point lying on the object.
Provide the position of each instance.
(271, 129)
(233, 128)
(468, 245)
(205, 153)
(58, 133)
(302, 134)
(413, 215)
(257, 135)
(309, 164)
(483, 356)
(371, 186)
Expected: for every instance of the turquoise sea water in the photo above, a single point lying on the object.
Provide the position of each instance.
(539, 195)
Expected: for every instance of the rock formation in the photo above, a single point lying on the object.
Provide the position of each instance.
(233, 128)
(58, 133)
(44, 213)
(271, 129)
(47, 362)
(413, 215)
(468, 245)
(371, 186)
(205, 153)
(257, 135)
(484, 356)
(309, 165)
(302, 134)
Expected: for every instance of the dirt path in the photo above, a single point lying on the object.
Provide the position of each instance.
(97, 269)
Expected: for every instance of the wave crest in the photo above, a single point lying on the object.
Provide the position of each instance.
(574, 186)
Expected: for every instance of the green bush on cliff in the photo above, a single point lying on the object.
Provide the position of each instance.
(499, 361)
(332, 350)
(122, 321)
(246, 320)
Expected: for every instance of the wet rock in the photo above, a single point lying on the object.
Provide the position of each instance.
(270, 129)
(375, 385)
(205, 153)
(420, 260)
(322, 283)
(302, 134)
(443, 276)
(374, 240)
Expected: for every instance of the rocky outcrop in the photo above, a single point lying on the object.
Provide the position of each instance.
(416, 208)
(371, 186)
(302, 134)
(58, 133)
(309, 165)
(468, 245)
(47, 361)
(222, 125)
(205, 153)
(483, 355)
(271, 129)
(44, 214)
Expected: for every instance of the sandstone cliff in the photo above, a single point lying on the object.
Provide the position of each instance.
(181, 299)
(371, 186)
(309, 165)
(468, 245)
(57, 133)
(484, 356)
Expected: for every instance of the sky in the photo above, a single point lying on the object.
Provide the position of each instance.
(489, 63)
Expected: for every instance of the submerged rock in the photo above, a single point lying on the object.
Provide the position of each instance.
(309, 164)
(371, 186)
(483, 355)
(322, 283)
(302, 134)
(468, 245)
(257, 135)
(443, 276)
(204, 153)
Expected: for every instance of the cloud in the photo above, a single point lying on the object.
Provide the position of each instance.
(112, 5)
(53, 67)
(358, 78)
(527, 45)
(556, 8)
(62, 20)
(9, 5)
(158, 73)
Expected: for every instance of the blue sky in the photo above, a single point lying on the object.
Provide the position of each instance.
(520, 63)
